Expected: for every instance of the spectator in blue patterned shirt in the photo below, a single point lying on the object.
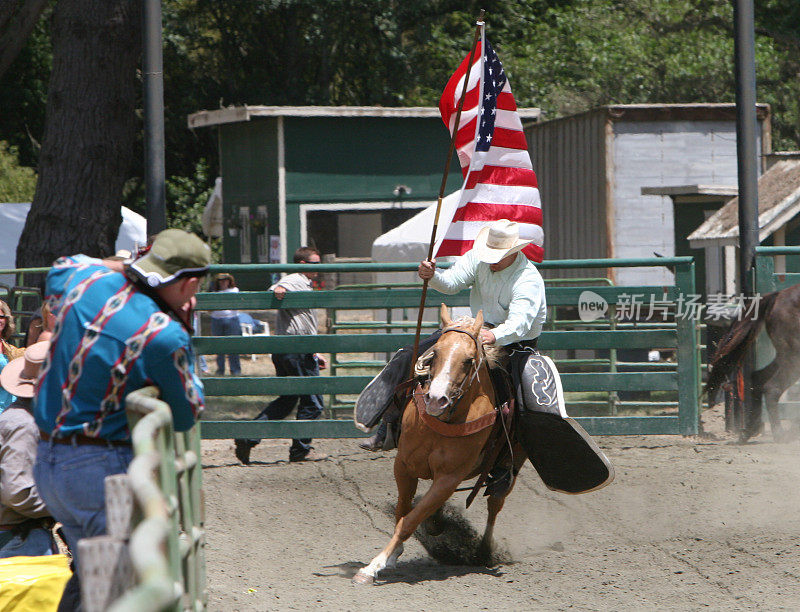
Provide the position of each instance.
(119, 327)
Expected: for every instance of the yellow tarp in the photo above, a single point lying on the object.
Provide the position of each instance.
(32, 584)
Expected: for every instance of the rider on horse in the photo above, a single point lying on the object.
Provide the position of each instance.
(508, 288)
(504, 284)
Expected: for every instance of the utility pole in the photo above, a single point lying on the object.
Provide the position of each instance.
(153, 73)
(747, 158)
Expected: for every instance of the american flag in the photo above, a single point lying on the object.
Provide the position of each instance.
(499, 182)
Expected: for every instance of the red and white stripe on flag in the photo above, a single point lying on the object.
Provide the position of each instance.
(499, 181)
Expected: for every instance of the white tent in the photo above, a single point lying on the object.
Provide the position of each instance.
(409, 242)
(212, 212)
(132, 233)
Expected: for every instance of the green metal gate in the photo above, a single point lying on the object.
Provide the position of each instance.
(678, 334)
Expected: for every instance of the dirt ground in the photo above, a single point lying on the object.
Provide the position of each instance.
(689, 523)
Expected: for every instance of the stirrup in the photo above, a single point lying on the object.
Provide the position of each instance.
(499, 482)
(378, 395)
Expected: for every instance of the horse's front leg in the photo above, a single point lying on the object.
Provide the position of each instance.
(441, 489)
(495, 503)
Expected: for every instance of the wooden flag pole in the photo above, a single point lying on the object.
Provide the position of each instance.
(444, 186)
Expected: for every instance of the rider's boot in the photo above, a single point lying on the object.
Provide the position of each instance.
(375, 442)
(387, 434)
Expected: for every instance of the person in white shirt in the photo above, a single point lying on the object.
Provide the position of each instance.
(226, 323)
(503, 283)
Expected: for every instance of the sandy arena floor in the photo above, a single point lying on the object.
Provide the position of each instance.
(689, 523)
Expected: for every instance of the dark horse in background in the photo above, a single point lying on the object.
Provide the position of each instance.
(779, 312)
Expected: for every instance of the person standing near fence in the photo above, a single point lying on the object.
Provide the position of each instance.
(120, 326)
(226, 323)
(293, 322)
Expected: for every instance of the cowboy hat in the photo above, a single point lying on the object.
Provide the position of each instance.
(174, 254)
(498, 240)
(19, 375)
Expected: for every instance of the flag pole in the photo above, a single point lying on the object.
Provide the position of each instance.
(475, 39)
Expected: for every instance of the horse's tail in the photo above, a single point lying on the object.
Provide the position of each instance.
(733, 346)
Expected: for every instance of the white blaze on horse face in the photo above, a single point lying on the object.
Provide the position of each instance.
(437, 398)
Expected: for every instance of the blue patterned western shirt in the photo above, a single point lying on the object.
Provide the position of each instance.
(110, 338)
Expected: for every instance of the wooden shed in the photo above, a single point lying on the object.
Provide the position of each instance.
(778, 223)
(592, 168)
(336, 177)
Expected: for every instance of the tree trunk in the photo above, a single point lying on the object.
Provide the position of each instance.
(17, 20)
(90, 130)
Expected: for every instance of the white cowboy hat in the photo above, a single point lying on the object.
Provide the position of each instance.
(497, 240)
(19, 375)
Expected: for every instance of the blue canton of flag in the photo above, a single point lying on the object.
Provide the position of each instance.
(494, 78)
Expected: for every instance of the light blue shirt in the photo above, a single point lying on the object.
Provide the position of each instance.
(512, 300)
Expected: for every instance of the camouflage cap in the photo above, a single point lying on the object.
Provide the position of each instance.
(174, 254)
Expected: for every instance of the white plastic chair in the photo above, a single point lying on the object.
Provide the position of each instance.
(247, 330)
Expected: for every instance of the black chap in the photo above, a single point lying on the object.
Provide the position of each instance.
(564, 455)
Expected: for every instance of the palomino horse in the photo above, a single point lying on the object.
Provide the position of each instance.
(435, 440)
(780, 314)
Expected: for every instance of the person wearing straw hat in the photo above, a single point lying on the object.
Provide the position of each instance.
(509, 290)
(25, 521)
(120, 326)
(503, 283)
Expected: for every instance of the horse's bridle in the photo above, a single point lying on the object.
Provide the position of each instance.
(467, 380)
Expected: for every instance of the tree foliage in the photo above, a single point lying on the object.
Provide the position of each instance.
(563, 56)
(17, 183)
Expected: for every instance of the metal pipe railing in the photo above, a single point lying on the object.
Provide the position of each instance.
(166, 546)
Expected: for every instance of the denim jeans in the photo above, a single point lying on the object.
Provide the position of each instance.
(228, 326)
(70, 479)
(310, 406)
(39, 542)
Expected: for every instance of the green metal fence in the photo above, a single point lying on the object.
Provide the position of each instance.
(679, 335)
(167, 544)
(766, 278)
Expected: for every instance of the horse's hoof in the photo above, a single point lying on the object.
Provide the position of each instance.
(363, 578)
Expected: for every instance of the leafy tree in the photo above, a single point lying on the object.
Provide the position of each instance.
(23, 93)
(189, 199)
(17, 183)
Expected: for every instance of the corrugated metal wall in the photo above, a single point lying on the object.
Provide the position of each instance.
(569, 159)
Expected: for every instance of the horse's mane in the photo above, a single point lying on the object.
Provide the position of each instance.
(495, 355)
